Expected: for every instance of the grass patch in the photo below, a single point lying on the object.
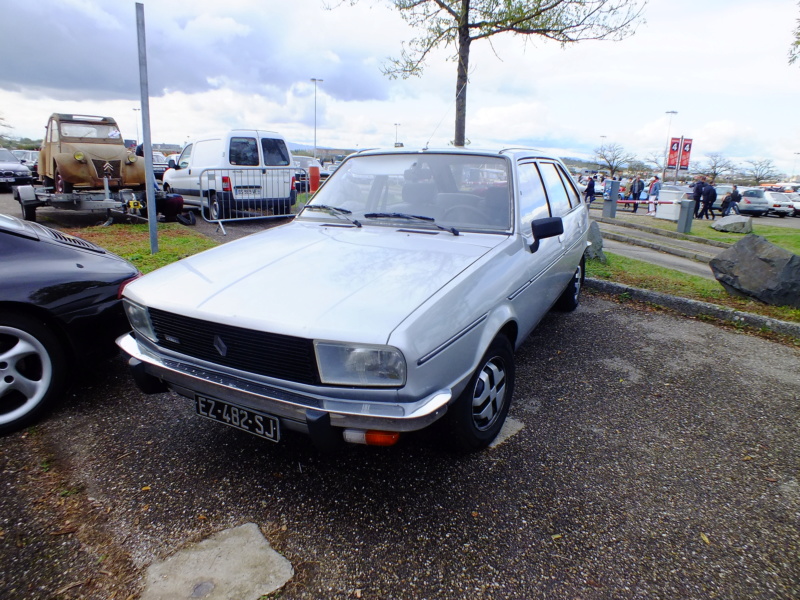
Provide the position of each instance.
(132, 242)
(646, 276)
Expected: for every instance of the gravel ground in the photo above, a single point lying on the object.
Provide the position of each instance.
(658, 458)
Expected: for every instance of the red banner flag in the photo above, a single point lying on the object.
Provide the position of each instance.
(686, 151)
(674, 150)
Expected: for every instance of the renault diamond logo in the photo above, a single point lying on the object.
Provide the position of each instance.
(108, 168)
(220, 346)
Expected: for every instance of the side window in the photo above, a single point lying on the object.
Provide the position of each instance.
(532, 199)
(572, 193)
(183, 159)
(53, 131)
(556, 192)
(275, 152)
(243, 151)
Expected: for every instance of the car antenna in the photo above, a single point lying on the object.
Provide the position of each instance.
(446, 112)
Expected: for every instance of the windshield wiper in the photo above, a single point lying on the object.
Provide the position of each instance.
(334, 210)
(395, 215)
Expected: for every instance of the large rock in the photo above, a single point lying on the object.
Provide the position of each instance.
(755, 268)
(734, 224)
(596, 238)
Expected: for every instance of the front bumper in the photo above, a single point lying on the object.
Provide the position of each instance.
(296, 410)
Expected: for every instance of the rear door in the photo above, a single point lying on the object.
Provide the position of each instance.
(279, 172)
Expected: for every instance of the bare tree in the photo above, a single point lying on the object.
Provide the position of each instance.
(655, 159)
(715, 166)
(460, 22)
(613, 156)
(761, 170)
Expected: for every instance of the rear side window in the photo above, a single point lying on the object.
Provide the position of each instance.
(556, 192)
(275, 153)
(243, 151)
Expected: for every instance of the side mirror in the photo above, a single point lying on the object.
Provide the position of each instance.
(171, 164)
(545, 228)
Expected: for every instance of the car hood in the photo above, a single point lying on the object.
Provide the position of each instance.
(308, 280)
(7, 165)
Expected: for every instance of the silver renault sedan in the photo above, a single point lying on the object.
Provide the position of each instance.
(393, 301)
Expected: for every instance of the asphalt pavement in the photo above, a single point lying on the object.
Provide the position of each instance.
(653, 456)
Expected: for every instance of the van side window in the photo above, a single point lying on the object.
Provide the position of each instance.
(275, 152)
(532, 199)
(243, 151)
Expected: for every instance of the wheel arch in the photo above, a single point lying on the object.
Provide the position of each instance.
(47, 318)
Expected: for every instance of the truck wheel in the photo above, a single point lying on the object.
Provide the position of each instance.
(48, 182)
(62, 187)
(33, 370)
(477, 416)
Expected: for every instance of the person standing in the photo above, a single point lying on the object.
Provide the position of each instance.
(652, 193)
(709, 197)
(697, 194)
(637, 185)
(589, 191)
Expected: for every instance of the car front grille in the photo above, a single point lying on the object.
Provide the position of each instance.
(270, 354)
(106, 168)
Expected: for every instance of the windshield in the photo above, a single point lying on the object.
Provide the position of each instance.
(94, 131)
(468, 192)
(6, 156)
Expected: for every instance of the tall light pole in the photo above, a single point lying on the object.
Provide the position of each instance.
(316, 81)
(396, 125)
(671, 113)
(136, 110)
(796, 154)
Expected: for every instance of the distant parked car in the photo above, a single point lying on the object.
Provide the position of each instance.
(753, 201)
(794, 198)
(13, 172)
(59, 311)
(29, 158)
(780, 204)
(159, 165)
(394, 300)
(303, 164)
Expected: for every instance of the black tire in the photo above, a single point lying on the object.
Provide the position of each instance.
(28, 212)
(62, 187)
(477, 416)
(33, 370)
(48, 182)
(571, 296)
(282, 207)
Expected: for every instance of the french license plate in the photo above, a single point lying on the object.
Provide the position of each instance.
(6, 180)
(251, 421)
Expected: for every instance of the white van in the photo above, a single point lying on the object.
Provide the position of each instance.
(236, 173)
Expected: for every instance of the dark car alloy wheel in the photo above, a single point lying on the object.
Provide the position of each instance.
(32, 370)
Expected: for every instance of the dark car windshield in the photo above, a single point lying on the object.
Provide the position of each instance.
(6, 156)
(467, 191)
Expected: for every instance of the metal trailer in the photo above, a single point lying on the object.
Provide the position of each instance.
(125, 204)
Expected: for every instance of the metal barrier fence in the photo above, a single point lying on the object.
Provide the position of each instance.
(245, 193)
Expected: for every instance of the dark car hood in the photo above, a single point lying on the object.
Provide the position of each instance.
(7, 165)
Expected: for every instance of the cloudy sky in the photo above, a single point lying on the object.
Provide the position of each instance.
(218, 64)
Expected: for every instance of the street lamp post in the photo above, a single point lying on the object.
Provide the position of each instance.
(396, 125)
(671, 113)
(136, 110)
(794, 171)
(316, 81)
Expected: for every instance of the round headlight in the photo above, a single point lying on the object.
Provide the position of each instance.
(79, 156)
(132, 158)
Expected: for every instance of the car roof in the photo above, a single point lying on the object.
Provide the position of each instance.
(513, 152)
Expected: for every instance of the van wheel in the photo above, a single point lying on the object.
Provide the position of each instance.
(477, 416)
(48, 182)
(62, 187)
